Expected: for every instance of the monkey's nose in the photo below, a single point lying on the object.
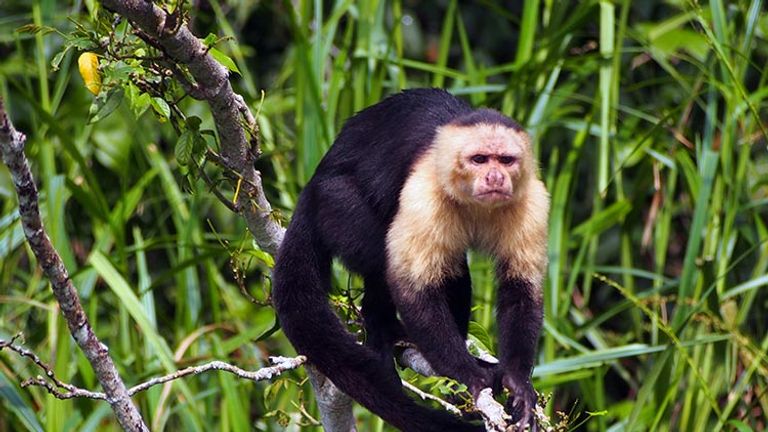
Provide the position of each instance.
(494, 179)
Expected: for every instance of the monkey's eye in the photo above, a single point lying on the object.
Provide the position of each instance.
(479, 159)
(507, 160)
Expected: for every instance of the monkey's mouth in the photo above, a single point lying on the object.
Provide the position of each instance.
(494, 196)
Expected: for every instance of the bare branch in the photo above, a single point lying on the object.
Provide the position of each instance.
(411, 358)
(281, 364)
(481, 353)
(12, 149)
(70, 393)
(335, 406)
(53, 384)
(53, 388)
(493, 412)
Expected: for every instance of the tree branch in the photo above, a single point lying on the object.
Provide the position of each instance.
(280, 365)
(53, 384)
(12, 149)
(228, 109)
(335, 406)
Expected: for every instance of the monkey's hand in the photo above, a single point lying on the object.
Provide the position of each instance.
(522, 400)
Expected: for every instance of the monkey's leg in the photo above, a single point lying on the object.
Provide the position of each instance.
(354, 231)
(346, 226)
(382, 328)
(519, 316)
(349, 227)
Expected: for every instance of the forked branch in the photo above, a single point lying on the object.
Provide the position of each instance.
(12, 149)
(62, 390)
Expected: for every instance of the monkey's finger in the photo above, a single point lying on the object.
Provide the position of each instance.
(526, 418)
(516, 407)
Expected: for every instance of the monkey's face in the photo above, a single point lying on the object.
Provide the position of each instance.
(489, 164)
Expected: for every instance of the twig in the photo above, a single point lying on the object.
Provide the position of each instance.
(481, 353)
(411, 358)
(426, 396)
(70, 393)
(53, 388)
(215, 190)
(493, 412)
(12, 149)
(53, 384)
(281, 364)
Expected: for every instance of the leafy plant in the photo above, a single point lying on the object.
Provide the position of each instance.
(648, 119)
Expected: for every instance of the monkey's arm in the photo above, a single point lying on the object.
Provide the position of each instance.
(521, 261)
(519, 316)
(430, 319)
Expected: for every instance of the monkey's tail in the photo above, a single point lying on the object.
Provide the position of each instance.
(301, 281)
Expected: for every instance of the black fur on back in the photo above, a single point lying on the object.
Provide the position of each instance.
(389, 136)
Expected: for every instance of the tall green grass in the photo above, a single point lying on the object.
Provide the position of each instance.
(649, 122)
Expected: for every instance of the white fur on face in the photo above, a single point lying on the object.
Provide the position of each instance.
(467, 181)
(440, 216)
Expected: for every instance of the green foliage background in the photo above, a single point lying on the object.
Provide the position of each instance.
(648, 118)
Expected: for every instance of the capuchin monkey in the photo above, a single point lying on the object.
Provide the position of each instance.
(409, 186)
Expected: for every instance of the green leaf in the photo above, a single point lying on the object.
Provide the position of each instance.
(18, 404)
(225, 60)
(161, 107)
(120, 72)
(96, 418)
(130, 301)
(210, 40)
(105, 103)
(130, 200)
(273, 389)
(58, 58)
(481, 334)
(262, 256)
(184, 146)
(82, 43)
(35, 29)
(190, 143)
(604, 219)
(607, 355)
(193, 123)
(138, 100)
(746, 287)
